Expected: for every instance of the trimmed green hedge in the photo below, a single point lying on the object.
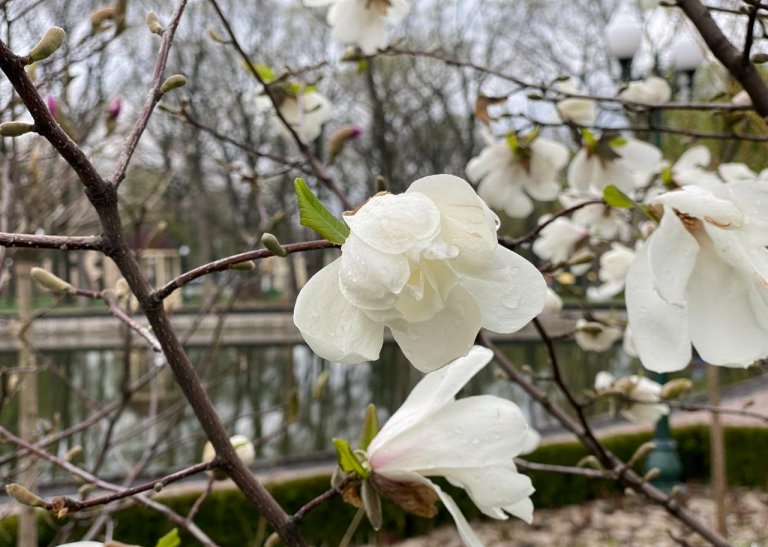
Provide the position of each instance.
(231, 521)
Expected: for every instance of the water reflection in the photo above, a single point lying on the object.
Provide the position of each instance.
(250, 386)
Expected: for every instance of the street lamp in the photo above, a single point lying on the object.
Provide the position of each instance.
(686, 58)
(623, 35)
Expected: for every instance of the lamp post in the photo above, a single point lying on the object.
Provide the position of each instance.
(623, 36)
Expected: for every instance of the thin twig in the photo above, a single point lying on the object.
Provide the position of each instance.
(153, 97)
(510, 242)
(565, 469)
(60, 243)
(224, 264)
(314, 163)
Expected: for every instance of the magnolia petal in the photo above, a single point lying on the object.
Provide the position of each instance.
(659, 329)
(724, 329)
(694, 157)
(354, 23)
(509, 290)
(449, 334)
(741, 253)
(491, 158)
(672, 253)
(645, 413)
(467, 222)
(581, 172)
(395, 223)
(317, 3)
(465, 530)
(370, 279)
(434, 391)
(703, 204)
(736, 172)
(473, 432)
(335, 329)
(523, 510)
(491, 486)
(548, 153)
(397, 11)
(641, 158)
(620, 174)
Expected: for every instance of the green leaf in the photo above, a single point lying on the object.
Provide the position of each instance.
(171, 539)
(265, 73)
(347, 459)
(616, 198)
(512, 141)
(362, 65)
(589, 138)
(617, 142)
(315, 216)
(370, 426)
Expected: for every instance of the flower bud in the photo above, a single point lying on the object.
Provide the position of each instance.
(121, 288)
(100, 16)
(271, 243)
(47, 280)
(652, 474)
(675, 388)
(172, 82)
(52, 104)
(248, 266)
(641, 453)
(339, 139)
(243, 447)
(113, 110)
(24, 496)
(47, 46)
(158, 486)
(73, 453)
(153, 23)
(590, 461)
(15, 129)
(318, 388)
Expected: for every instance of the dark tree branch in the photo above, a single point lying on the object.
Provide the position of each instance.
(153, 97)
(726, 53)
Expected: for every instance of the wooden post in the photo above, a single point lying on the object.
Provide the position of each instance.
(28, 406)
(717, 450)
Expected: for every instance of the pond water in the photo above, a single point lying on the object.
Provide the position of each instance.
(252, 387)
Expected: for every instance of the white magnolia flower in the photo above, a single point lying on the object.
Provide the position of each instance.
(243, 447)
(471, 442)
(614, 265)
(509, 172)
(652, 90)
(742, 98)
(559, 239)
(601, 221)
(363, 22)
(305, 112)
(575, 110)
(739, 172)
(594, 336)
(644, 396)
(427, 265)
(702, 278)
(626, 163)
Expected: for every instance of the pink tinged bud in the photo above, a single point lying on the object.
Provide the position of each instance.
(114, 108)
(355, 131)
(52, 103)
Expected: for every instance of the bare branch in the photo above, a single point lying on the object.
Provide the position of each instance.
(60, 243)
(153, 97)
(224, 264)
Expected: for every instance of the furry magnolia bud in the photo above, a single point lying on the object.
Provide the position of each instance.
(172, 82)
(153, 23)
(15, 129)
(24, 496)
(675, 388)
(47, 280)
(271, 242)
(47, 46)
